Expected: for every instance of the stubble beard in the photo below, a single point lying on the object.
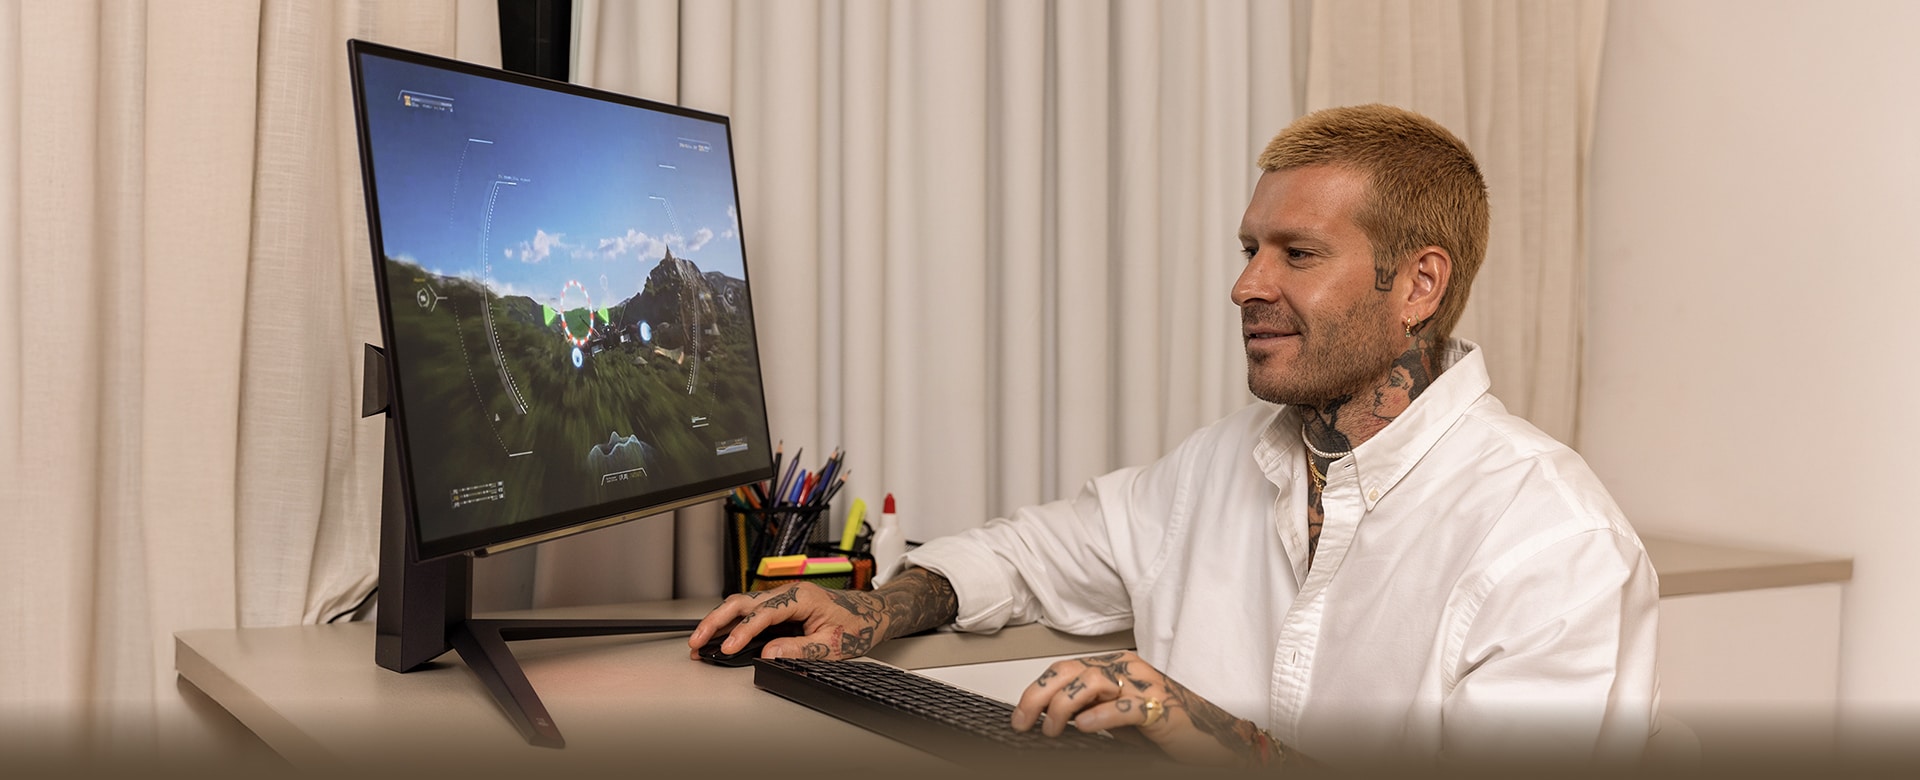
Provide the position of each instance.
(1342, 357)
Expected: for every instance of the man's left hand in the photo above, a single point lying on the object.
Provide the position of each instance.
(1119, 690)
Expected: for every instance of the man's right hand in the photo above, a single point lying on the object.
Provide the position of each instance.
(838, 623)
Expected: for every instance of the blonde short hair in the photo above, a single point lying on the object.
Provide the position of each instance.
(1424, 188)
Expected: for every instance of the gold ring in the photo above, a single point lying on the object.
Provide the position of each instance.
(1153, 709)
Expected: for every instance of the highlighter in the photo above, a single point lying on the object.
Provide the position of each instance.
(854, 517)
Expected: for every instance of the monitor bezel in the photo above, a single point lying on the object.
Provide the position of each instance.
(547, 527)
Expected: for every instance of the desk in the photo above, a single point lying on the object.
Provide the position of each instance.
(314, 695)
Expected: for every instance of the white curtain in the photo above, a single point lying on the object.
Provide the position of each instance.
(185, 276)
(990, 242)
(1516, 80)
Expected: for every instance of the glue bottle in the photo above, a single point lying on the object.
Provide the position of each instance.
(888, 544)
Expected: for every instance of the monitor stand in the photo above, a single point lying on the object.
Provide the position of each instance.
(426, 607)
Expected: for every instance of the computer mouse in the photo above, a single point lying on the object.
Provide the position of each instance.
(711, 653)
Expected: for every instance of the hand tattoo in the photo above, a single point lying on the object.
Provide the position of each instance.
(857, 643)
(788, 596)
(860, 605)
(1232, 733)
(1114, 668)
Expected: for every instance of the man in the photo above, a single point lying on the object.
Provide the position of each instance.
(1379, 563)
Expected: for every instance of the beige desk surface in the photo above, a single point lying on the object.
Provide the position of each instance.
(314, 695)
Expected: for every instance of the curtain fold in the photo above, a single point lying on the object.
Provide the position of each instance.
(308, 471)
(1517, 81)
(184, 260)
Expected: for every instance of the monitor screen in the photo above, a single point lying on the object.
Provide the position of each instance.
(564, 298)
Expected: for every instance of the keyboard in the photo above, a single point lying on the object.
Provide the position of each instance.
(948, 721)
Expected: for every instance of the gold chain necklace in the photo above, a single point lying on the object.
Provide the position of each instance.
(1319, 479)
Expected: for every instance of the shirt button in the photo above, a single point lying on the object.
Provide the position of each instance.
(1373, 495)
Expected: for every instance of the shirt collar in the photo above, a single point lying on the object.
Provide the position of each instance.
(1386, 458)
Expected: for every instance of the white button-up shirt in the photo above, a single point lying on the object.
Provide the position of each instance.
(1476, 593)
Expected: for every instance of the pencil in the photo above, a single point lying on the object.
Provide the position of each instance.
(778, 452)
(781, 489)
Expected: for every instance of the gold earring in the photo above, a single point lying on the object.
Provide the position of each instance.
(1409, 323)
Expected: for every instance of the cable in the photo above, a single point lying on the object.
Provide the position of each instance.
(355, 608)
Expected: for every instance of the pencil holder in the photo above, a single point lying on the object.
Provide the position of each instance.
(753, 534)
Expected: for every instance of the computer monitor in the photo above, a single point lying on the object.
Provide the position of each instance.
(569, 335)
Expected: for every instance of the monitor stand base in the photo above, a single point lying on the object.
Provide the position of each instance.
(482, 644)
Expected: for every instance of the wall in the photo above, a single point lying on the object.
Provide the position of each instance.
(1754, 301)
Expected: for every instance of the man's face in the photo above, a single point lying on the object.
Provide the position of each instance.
(1315, 323)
